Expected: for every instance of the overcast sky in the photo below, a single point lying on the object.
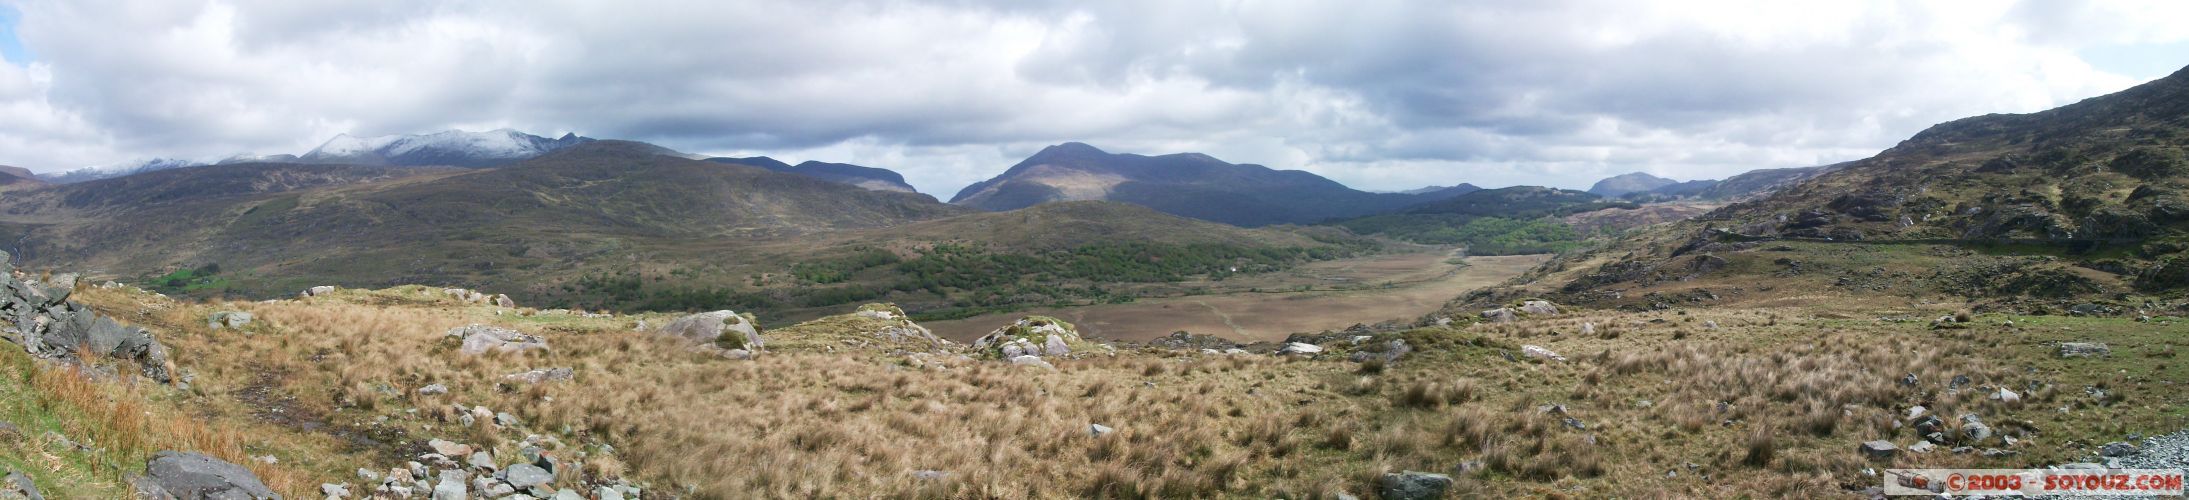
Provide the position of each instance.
(1379, 95)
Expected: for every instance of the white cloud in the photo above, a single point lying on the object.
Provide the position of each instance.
(1384, 95)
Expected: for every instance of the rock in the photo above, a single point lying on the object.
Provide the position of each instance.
(542, 375)
(15, 485)
(1387, 353)
(479, 339)
(737, 354)
(1538, 352)
(725, 329)
(2006, 396)
(2084, 349)
(1055, 346)
(569, 494)
(1710, 325)
(2117, 449)
(448, 448)
(319, 291)
(450, 490)
(930, 475)
(1879, 450)
(228, 319)
(1411, 485)
(503, 301)
(433, 390)
(525, 476)
(368, 476)
(1588, 328)
(2087, 309)
(1974, 428)
(334, 490)
(607, 493)
(481, 460)
(498, 489)
(1099, 430)
(505, 419)
(1538, 308)
(1921, 447)
(195, 475)
(1917, 411)
(1301, 348)
(1031, 360)
(1500, 315)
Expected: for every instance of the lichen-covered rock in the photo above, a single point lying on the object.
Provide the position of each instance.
(1538, 308)
(725, 329)
(479, 339)
(542, 375)
(319, 291)
(1538, 352)
(895, 326)
(1500, 315)
(1030, 336)
(502, 301)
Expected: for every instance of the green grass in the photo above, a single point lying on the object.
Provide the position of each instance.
(58, 471)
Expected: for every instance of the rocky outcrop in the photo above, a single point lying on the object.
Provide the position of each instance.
(232, 320)
(1029, 336)
(896, 327)
(37, 315)
(725, 329)
(173, 474)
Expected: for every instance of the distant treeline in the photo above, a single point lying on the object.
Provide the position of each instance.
(1481, 235)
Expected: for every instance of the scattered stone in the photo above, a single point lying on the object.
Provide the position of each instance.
(1500, 315)
(503, 301)
(319, 291)
(1921, 447)
(1974, 428)
(481, 460)
(1710, 325)
(1412, 485)
(15, 485)
(2084, 349)
(2006, 396)
(195, 475)
(228, 319)
(478, 339)
(39, 318)
(505, 419)
(333, 491)
(542, 375)
(1879, 450)
(2117, 449)
(725, 329)
(1538, 308)
(1917, 411)
(1588, 328)
(1032, 360)
(1388, 353)
(1301, 348)
(1538, 352)
(448, 448)
(1098, 430)
(526, 476)
(433, 390)
(930, 475)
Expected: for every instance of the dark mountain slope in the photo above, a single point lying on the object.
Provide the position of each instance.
(1185, 184)
(878, 179)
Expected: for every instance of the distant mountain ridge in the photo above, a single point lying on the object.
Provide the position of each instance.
(1191, 185)
(454, 148)
(1620, 185)
(877, 179)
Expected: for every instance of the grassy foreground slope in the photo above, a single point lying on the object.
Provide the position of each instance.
(1711, 403)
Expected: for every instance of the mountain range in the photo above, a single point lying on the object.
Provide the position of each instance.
(878, 179)
(1186, 184)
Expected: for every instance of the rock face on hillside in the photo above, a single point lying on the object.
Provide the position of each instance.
(1029, 336)
(37, 315)
(1186, 184)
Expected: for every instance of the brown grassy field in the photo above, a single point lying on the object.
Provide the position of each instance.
(1421, 283)
(1769, 402)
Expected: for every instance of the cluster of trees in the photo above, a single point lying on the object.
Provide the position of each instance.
(1482, 235)
(839, 270)
(201, 278)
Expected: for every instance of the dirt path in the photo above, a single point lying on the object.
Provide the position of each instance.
(1250, 317)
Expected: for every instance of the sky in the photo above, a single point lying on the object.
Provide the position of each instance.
(1380, 95)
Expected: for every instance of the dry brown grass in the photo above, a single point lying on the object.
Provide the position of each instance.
(1773, 393)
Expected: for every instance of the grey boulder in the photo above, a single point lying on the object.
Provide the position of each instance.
(195, 475)
(711, 327)
(480, 339)
(1411, 485)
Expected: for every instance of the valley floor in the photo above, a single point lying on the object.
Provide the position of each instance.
(1420, 283)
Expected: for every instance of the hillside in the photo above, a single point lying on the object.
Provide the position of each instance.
(1185, 184)
(1619, 185)
(878, 179)
(277, 227)
(2076, 207)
